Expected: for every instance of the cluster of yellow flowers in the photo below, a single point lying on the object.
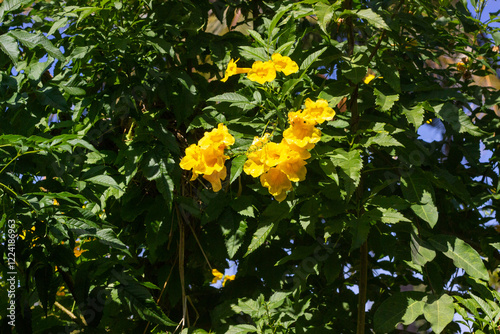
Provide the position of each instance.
(278, 165)
(207, 157)
(263, 71)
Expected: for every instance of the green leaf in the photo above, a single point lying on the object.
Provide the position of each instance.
(417, 190)
(390, 74)
(255, 54)
(421, 251)
(11, 5)
(426, 209)
(385, 101)
(9, 45)
(140, 300)
(458, 119)
(276, 19)
(108, 237)
(355, 72)
(235, 240)
(260, 236)
(373, 18)
(229, 97)
(74, 90)
(310, 60)
(325, 13)
(104, 180)
(52, 96)
(391, 216)
(33, 40)
(257, 37)
(241, 329)
(415, 115)
(269, 220)
(462, 254)
(439, 312)
(350, 164)
(237, 167)
(403, 307)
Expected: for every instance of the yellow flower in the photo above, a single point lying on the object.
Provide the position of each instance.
(301, 132)
(368, 78)
(60, 292)
(192, 159)
(212, 160)
(275, 154)
(219, 137)
(232, 69)
(276, 182)
(220, 276)
(294, 168)
(284, 64)
(228, 278)
(318, 111)
(258, 142)
(78, 251)
(255, 164)
(56, 202)
(262, 72)
(215, 178)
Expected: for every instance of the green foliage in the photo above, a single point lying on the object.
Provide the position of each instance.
(100, 99)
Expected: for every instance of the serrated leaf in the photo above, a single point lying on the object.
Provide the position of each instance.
(104, 180)
(404, 307)
(260, 236)
(421, 251)
(385, 102)
(8, 44)
(382, 138)
(241, 329)
(415, 115)
(52, 96)
(235, 240)
(390, 74)
(458, 120)
(252, 53)
(229, 97)
(276, 19)
(462, 254)
(108, 237)
(373, 18)
(237, 167)
(257, 37)
(417, 190)
(350, 164)
(311, 59)
(391, 216)
(355, 73)
(138, 298)
(439, 312)
(74, 90)
(34, 40)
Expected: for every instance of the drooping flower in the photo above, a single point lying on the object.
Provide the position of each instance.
(262, 72)
(318, 111)
(275, 153)
(233, 69)
(192, 159)
(213, 160)
(276, 182)
(294, 168)
(218, 137)
(284, 64)
(215, 178)
(301, 132)
(255, 164)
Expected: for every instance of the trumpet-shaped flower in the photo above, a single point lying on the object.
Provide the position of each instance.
(301, 132)
(276, 182)
(284, 64)
(212, 161)
(275, 153)
(262, 72)
(318, 111)
(233, 69)
(215, 178)
(192, 159)
(219, 137)
(255, 164)
(294, 169)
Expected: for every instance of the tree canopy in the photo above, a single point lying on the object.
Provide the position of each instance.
(148, 146)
